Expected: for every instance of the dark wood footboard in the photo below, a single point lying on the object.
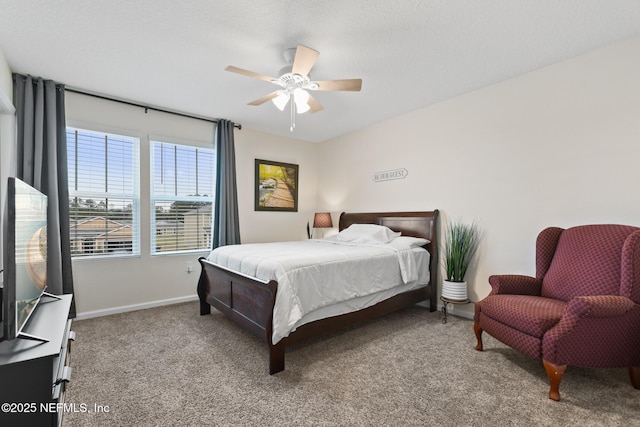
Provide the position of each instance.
(246, 301)
(250, 303)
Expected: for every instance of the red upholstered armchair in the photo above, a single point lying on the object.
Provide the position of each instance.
(581, 309)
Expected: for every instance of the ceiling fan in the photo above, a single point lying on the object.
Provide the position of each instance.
(295, 83)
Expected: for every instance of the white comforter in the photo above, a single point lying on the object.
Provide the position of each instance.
(312, 274)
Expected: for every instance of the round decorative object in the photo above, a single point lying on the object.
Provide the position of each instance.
(36, 257)
(456, 291)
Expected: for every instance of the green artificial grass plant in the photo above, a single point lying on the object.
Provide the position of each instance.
(460, 245)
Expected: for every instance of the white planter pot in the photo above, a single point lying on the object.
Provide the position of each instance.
(456, 291)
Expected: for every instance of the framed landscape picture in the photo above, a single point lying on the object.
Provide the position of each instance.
(276, 186)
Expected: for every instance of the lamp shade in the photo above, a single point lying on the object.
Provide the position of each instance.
(322, 220)
(281, 100)
(301, 98)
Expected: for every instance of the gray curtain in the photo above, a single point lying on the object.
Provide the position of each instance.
(42, 163)
(226, 226)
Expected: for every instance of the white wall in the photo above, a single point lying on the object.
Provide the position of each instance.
(261, 226)
(559, 146)
(103, 286)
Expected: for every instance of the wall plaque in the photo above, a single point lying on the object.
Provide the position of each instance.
(390, 175)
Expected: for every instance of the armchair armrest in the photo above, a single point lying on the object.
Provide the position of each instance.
(595, 331)
(599, 306)
(515, 284)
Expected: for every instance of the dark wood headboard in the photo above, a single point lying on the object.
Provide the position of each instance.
(415, 224)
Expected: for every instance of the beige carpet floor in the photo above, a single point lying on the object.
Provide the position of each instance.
(169, 366)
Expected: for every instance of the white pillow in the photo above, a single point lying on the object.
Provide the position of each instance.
(367, 233)
(408, 242)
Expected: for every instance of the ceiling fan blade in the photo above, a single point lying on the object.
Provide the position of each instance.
(264, 99)
(304, 60)
(314, 105)
(249, 73)
(348, 84)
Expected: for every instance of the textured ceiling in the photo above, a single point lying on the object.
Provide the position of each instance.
(410, 54)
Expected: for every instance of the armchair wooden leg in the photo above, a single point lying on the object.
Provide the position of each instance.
(634, 374)
(554, 373)
(478, 331)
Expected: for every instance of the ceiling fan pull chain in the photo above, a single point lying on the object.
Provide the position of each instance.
(293, 116)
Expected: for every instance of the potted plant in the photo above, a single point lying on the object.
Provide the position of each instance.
(460, 245)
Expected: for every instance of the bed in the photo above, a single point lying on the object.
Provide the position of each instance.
(250, 301)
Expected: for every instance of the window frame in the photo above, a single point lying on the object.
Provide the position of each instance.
(136, 244)
(153, 197)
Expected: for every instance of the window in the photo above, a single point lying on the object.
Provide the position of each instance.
(182, 195)
(104, 201)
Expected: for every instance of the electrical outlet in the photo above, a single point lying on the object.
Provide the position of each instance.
(189, 267)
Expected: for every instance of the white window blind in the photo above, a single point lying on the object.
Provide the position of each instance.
(104, 200)
(182, 195)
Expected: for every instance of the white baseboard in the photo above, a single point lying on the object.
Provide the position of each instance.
(450, 310)
(134, 307)
(458, 313)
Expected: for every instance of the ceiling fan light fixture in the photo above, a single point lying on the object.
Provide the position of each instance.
(281, 100)
(302, 108)
(301, 98)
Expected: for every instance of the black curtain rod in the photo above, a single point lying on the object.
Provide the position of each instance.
(146, 107)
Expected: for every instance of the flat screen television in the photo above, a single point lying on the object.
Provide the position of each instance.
(25, 257)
